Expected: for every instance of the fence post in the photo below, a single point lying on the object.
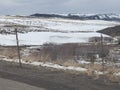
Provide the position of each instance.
(102, 54)
(18, 48)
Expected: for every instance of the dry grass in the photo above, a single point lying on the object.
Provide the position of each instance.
(60, 62)
(95, 67)
(71, 63)
(112, 70)
(9, 52)
(44, 58)
(113, 78)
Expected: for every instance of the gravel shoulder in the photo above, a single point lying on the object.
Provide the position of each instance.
(51, 79)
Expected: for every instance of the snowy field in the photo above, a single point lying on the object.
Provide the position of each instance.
(39, 38)
(44, 30)
(60, 24)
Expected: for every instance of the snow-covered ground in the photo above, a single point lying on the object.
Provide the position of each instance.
(39, 38)
(44, 30)
(60, 24)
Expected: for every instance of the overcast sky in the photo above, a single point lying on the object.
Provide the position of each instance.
(27, 7)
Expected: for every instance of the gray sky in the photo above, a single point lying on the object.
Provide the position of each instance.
(26, 7)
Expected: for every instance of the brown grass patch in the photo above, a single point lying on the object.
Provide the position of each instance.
(71, 63)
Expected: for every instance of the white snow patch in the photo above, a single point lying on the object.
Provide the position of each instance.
(50, 65)
(117, 74)
(99, 73)
(83, 62)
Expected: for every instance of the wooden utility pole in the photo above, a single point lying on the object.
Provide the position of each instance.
(18, 48)
(102, 54)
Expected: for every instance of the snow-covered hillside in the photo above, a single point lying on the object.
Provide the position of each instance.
(47, 30)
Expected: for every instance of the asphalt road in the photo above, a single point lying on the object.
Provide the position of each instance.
(6, 84)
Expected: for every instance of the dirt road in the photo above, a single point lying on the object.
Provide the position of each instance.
(52, 79)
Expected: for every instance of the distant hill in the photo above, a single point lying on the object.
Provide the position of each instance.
(108, 17)
(112, 31)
